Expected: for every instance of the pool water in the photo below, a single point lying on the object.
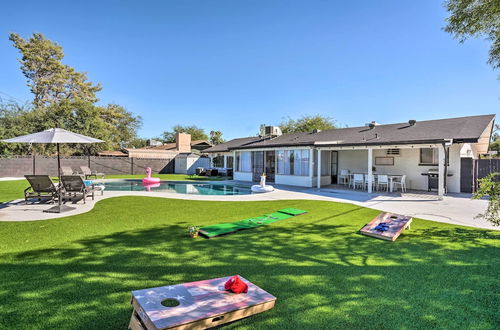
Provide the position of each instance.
(179, 187)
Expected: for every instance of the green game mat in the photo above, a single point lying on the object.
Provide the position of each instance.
(292, 211)
(231, 227)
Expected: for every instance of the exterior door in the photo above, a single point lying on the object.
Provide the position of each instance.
(257, 165)
(270, 165)
(334, 168)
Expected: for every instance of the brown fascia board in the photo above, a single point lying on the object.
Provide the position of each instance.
(466, 140)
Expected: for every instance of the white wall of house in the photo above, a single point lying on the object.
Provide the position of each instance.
(294, 180)
(406, 163)
(242, 176)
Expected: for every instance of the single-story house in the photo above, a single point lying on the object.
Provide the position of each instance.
(316, 158)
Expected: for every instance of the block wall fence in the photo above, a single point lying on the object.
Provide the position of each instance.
(18, 166)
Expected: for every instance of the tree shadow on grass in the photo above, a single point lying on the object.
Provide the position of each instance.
(325, 276)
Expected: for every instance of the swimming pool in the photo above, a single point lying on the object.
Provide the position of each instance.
(190, 188)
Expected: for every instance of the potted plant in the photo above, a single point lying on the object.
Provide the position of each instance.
(193, 231)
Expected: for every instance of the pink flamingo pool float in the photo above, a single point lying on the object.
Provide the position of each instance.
(148, 180)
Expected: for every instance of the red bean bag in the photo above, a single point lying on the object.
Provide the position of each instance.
(236, 285)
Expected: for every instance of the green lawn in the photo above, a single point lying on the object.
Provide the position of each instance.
(77, 272)
(13, 189)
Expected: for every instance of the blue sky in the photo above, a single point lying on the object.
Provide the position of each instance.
(232, 65)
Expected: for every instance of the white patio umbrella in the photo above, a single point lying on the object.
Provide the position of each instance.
(57, 136)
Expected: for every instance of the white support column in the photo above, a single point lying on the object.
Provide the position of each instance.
(441, 177)
(225, 161)
(370, 170)
(319, 170)
(211, 161)
(311, 166)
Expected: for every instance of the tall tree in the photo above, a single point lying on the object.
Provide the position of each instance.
(216, 137)
(476, 18)
(196, 133)
(63, 98)
(111, 123)
(49, 79)
(122, 124)
(15, 120)
(307, 124)
(495, 139)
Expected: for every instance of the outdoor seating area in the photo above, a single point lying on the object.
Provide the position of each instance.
(214, 171)
(71, 187)
(84, 171)
(379, 181)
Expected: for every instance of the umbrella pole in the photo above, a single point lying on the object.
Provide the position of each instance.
(59, 208)
(58, 163)
(59, 176)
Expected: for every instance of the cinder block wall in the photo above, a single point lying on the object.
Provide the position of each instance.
(18, 166)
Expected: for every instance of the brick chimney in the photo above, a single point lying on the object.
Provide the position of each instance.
(183, 142)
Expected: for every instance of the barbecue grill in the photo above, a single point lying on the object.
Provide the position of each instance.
(433, 178)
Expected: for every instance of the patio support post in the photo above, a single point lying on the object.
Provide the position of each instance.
(225, 161)
(318, 177)
(441, 177)
(211, 161)
(311, 166)
(370, 170)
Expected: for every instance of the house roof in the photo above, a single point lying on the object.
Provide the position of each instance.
(462, 129)
(233, 144)
(197, 142)
(114, 153)
(173, 146)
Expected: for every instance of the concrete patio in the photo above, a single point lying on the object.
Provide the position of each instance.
(456, 209)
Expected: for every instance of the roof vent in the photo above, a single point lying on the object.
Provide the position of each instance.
(372, 124)
(412, 122)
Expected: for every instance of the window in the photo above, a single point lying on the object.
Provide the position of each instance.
(237, 162)
(293, 162)
(430, 156)
(304, 162)
(244, 161)
(218, 161)
(325, 163)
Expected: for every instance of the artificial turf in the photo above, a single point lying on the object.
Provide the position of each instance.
(77, 272)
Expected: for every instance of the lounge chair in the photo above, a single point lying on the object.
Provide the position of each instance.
(73, 185)
(66, 170)
(40, 186)
(87, 172)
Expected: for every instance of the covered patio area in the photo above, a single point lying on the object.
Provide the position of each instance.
(389, 167)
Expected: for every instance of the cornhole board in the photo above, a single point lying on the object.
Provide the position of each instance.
(202, 305)
(396, 222)
(231, 227)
